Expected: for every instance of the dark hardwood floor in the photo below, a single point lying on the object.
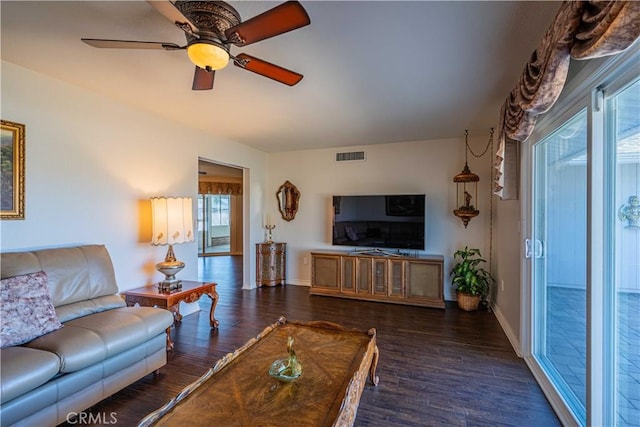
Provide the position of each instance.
(437, 367)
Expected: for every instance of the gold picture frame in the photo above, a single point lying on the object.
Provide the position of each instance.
(12, 170)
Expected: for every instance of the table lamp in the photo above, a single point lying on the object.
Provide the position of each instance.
(172, 222)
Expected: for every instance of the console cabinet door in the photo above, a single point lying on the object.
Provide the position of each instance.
(325, 271)
(380, 277)
(424, 280)
(396, 278)
(363, 275)
(348, 275)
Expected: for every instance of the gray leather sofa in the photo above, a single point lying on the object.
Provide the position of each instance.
(102, 347)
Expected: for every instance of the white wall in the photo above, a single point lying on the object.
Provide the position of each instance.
(92, 164)
(399, 168)
(507, 254)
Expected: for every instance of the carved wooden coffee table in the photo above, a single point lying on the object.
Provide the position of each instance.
(238, 390)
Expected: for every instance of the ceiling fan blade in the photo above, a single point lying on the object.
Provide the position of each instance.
(130, 44)
(203, 79)
(267, 69)
(285, 17)
(176, 17)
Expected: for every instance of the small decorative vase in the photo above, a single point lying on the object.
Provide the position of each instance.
(287, 369)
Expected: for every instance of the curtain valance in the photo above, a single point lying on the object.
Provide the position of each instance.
(580, 30)
(231, 188)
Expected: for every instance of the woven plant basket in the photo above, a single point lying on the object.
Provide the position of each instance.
(468, 302)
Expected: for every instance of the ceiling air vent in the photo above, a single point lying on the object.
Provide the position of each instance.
(352, 156)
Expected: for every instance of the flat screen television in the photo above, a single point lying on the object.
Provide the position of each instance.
(394, 221)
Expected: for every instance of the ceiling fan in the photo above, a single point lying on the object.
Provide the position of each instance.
(211, 27)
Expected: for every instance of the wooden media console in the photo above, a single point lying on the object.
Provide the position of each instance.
(378, 276)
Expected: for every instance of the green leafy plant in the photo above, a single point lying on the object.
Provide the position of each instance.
(468, 275)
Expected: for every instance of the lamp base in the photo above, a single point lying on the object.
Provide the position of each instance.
(170, 267)
(165, 286)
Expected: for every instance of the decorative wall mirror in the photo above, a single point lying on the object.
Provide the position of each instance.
(288, 197)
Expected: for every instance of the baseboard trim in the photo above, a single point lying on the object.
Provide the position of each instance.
(512, 337)
(306, 283)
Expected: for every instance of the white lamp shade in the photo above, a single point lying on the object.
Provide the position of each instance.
(172, 220)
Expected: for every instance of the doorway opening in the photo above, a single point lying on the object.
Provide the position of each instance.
(219, 209)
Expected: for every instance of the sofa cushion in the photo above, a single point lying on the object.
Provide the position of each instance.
(24, 369)
(91, 339)
(25, 309)
(76, 347)
(18, 264)
(84, 308)
(75, 274)
(78, 273)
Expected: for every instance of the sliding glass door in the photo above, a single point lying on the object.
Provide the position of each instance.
(623, 130)
(582, 216)
(558, 253)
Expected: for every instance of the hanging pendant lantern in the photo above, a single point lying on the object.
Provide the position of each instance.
(466, 190)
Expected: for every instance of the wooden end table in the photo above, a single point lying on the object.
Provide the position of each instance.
(151, 296)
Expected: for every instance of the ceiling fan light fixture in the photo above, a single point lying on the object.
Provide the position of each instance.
(208, 55)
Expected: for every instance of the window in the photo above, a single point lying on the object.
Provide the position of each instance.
(219, 210)
(214, 230)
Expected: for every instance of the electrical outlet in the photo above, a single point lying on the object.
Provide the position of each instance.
(502, 285)
(305, 260)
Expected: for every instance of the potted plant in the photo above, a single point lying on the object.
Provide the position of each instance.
(470, 280)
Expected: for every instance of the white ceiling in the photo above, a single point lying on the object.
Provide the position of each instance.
(375, 72)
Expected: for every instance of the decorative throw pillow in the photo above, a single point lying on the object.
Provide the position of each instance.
(26, 311)
(350, 233)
